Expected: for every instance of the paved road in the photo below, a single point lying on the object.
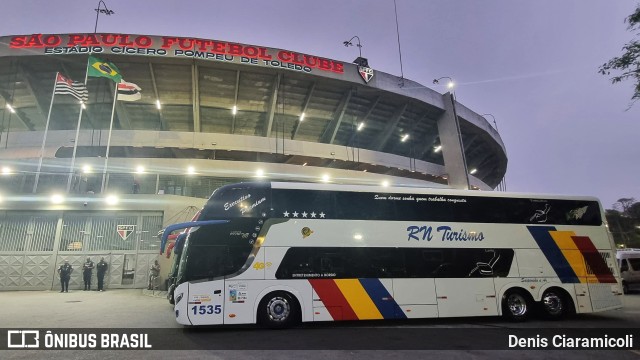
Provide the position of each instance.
(132, 309)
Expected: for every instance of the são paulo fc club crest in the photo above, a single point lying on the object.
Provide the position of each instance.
(125, 230)
(366, 73)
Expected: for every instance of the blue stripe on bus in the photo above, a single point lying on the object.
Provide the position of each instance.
(553, 253)
(377, 292)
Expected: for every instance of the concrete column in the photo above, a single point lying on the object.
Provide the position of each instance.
(455, 163)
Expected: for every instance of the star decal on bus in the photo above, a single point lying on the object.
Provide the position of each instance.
(304, 214)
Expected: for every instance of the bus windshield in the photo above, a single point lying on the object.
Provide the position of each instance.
(216, 251)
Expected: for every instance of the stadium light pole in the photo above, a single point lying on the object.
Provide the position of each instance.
(450, 84)
(349, 43)
(104, 11)
(494, 120)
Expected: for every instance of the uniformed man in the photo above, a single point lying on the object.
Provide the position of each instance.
(64, 271)
(102, 269)
(87, 268)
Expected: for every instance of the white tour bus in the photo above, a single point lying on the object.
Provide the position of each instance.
(281, 253)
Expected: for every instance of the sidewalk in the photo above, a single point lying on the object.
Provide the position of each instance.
(118, 308)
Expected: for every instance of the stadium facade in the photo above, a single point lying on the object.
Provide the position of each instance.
(100, 178)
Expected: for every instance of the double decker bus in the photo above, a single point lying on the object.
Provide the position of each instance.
(282, 253)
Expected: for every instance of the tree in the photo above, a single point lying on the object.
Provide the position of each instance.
(629, 62)
(624, 204)
(623, 222)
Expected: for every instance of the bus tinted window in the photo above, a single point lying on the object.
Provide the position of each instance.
(217, 250)
(354, 205)
(343, 263)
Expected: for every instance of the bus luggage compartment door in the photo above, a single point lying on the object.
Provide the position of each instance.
(206, 303)
(466, 297)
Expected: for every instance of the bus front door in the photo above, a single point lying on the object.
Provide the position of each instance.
(205, 303)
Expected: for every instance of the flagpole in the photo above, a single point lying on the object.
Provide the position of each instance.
(75, 143)
(44, 138)
(106, 158)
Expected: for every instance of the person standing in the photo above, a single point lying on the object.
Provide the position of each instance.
(87, 268)
(154, 272)
(64, 271)
(102, 269)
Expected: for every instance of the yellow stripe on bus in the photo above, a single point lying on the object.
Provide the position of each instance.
(358, 298)
(571, 252)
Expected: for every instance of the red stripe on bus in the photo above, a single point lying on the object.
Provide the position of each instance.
(593, 259)
(333, 300)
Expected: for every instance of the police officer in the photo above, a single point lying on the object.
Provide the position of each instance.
(87, 268)
(102, 269)
(64, 271)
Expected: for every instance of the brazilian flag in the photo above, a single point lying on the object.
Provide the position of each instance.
(99, 68)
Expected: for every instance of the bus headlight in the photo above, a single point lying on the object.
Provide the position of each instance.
(178, 298)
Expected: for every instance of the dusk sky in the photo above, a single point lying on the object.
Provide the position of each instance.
(533, 65)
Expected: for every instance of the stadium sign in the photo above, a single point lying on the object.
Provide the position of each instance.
(171, 46)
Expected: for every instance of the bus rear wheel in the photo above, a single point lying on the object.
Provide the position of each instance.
(278, 310)
(516, 305)
(554, 304)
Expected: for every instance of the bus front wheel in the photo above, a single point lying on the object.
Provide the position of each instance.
(278, 310)
(515, 305)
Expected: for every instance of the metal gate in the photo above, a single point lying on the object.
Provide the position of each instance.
(34, 244)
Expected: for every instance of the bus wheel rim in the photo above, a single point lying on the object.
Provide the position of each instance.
(517, 304)
(278, 309)
(552, 303)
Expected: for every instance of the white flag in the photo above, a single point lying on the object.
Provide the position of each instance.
(128, 91)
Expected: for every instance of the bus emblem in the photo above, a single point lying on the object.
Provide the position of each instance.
(306, 232)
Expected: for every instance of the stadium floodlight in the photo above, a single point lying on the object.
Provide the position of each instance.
(494, 120)
(57, 199)
(450, 84)
(103, 11)
(111, 199)
(349, 43)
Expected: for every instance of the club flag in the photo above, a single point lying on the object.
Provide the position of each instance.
(99, 68)
(128, 91)
(66, 86)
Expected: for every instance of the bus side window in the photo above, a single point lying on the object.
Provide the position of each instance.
(332, 263)
(388, 263)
